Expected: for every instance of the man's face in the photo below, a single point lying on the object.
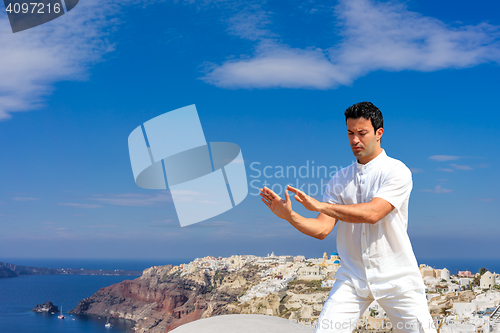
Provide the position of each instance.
(365, 143)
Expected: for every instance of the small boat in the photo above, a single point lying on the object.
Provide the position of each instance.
(108, 324)
(61, 316)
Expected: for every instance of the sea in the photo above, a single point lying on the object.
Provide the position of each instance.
(454, 265)
(21, 294)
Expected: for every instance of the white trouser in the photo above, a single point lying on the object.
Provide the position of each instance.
(408, 312)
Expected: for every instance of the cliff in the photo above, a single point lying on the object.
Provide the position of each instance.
(12, 270)
(161, 299)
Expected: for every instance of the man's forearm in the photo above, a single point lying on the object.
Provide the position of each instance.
(355, 213)
(309, 226)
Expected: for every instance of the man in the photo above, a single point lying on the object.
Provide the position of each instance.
(369, 200)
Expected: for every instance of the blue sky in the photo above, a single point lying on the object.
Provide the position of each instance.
(273, 77)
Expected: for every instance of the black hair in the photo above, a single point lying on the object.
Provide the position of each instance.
(368, 111)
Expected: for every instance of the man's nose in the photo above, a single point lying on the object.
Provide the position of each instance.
(355, 139)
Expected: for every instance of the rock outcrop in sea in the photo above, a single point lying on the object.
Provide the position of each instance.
(46, 307)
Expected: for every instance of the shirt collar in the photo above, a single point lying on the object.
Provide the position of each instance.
(377, 160)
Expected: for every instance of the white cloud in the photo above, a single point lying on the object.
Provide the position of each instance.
(439, 190)
(192, 196)
(32, 60)
(102, 226)
(24, 199)
(166, 224)
(79, 205)
(62, 49)
(134, 199)
(185, 192)
(487, 199)
(250, 23)
(461, 167)
(387, 36)
(211, 224)
(376, 36)
(444, 158)
(278, 66)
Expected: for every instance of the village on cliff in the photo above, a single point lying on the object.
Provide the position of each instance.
(464, 302)
(166, 297)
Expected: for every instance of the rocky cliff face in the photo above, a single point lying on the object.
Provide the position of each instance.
(302, 301)
(12, 270)
(160, 300)
(6, 272)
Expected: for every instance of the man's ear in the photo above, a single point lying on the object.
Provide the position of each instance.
(379, 133)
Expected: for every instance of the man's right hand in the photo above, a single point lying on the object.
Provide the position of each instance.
(282, 208)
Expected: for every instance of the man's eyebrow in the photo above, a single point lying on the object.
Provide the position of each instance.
(361, 130)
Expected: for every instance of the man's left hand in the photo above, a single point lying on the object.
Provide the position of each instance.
(308, 202)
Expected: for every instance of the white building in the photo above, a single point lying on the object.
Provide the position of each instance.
(487, 300)
(464, 309)
(464, 281)
(311, 273)
(286, 260)
(487, 280)
(445, 274)
(426, 271)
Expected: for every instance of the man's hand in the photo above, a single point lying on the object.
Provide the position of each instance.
(318, 228)
(282, 208)
(308, 202)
